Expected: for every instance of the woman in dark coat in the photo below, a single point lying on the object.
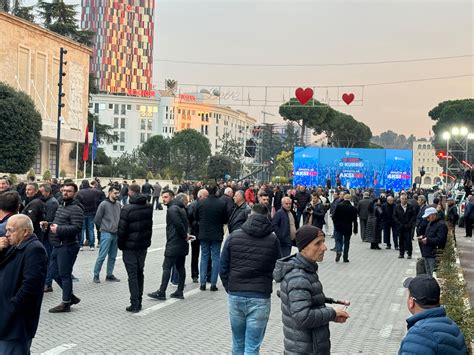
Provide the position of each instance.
(374, 224)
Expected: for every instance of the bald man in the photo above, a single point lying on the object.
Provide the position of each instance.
(23, 261)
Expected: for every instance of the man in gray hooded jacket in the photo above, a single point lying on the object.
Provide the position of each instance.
(303, 303)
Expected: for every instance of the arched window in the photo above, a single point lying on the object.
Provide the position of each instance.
(419, 146)
(424, 146)
(427, 180)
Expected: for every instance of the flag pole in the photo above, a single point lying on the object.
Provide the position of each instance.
(92, 156)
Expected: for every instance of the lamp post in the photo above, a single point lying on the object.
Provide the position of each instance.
(422, 173)
(446, 136)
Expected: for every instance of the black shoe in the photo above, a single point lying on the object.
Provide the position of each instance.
(400, 256)
(338, 257)
(378, 248)
(397, 248)
(48, 289)
(195, 280)
(158, 295)
(75, 300)
(214, 288)
(346, 260)
(388, 247)
(202, 287)
(409, 257)
(133, 309)
(178, 295)
(112, 278)
(61, 308)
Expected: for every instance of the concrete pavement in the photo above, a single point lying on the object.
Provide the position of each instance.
(372, 281)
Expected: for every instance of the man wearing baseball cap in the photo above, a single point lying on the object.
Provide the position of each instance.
(435, 238)
(430, 331)
(305, 314)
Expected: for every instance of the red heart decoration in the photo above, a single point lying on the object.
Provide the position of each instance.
(348, 98)
(304, 95)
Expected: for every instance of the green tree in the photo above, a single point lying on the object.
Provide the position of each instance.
(47, 175)
(292, 137)
(20, 122)
(219, 166)
(390, 139)
(231, 147)
(157, 153)
(189, 153)
(284, 164)
(61, 18)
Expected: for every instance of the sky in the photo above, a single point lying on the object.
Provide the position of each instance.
(302, 31)
(282, 32)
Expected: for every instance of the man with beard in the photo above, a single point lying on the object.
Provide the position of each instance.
(34, 208)
(177, 246)
(134, 237)
(64, 233)
(240, 213)
(107, 219)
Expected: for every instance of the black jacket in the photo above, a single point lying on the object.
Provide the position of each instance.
(136, 224)
(452, 215)
(277, 200)
(421, 223)
(22, 276)
(404, 220)
(229, 202)
(194, 225)
(69, 218)
(387, 215)
(345, 215)
(249, 257)
(317, 212)
(238, 216)
(281, 227)
(90, 198)
(51, 206)
(35, 209)
(302, 197)
(176, 230)
(211, 214)
(147, 189)
(436, 236)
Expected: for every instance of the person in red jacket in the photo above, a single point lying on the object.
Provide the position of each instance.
(250, 195)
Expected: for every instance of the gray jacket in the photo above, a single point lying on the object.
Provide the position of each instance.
(305, 315)
(108, 216)
(363, 208)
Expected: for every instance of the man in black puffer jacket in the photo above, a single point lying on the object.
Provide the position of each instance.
(34, 208)
(134, 237)
(303, 303)
(247, 263)
(176, 243)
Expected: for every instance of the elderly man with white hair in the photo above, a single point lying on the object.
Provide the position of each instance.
(23, 261)
(229, 202)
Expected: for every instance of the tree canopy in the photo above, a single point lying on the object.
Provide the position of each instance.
(189, 153)
(20, 126)
(390, 139)
(220, 166)
(156, 151)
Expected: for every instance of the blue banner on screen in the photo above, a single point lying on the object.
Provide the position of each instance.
(353, 167)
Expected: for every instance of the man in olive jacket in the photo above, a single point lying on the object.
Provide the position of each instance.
(23, 262)
(303, 303)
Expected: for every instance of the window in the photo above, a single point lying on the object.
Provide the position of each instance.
(122, 137)
(123, 111)
(148, 136)
(116, 109)
(52, 158)
(37, 165)
(122, 122)
(129, 107)
(142, 137)
(91, 105)
(116, 122)
(114, 148)
(122, 148)
(149, 124)
(111, 106)
(96, 108)
(179, 111)
(142, 124)
(166, 107)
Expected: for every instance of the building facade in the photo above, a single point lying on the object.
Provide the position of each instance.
(123, 54)
(29, 61)
(424, 155)
(136, 119)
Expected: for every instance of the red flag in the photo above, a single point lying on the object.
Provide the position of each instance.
(85, 155)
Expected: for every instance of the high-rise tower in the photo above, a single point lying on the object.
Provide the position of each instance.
(123, 53)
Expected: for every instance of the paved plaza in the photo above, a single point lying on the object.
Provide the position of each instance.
(372, 281)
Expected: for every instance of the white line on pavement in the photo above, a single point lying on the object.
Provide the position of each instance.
(148, 251)
(59, 349)
(386, 331)
(395, 307)
(165, 303)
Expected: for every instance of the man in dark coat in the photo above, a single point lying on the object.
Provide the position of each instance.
(23, 262)
(363, 211)
(147, 190)
(133, 238)
(389, 226)
(34, 208)
(90, 198)
(247, 262)
(404, 216)
(284, 225)
(278, 195)
(227, 197)
(64, 236)
(211, 214)
(302, 198)
(196, 244)
(177, 246)
(303, 303)
(345, 222)
(240, 213)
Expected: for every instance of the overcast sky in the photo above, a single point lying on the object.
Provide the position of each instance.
(296, 31)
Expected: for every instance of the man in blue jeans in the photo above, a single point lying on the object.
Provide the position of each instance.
(247, 262)
(107, 218)
(90, 198)
(345, 222)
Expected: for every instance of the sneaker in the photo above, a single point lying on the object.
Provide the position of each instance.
(346, 260)
(202, 287)
(96, 280)
(81, 249)
(158, 295)
(400, 256)
(48, 289)
(75, 300)
(338, 257)
(178, 295)
(214, 288)
(92, 248)
(112, 278)
(61, 308)
(133, 309)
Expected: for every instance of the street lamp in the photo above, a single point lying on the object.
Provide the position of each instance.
(422, 173)
(447, 136)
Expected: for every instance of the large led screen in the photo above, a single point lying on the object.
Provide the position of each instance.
(353, 167)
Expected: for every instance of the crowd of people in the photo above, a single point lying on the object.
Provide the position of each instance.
(44, 227)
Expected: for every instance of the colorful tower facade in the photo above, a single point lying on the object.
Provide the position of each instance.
(123, 53)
